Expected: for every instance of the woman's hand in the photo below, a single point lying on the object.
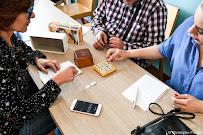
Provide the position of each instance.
(116, 55)
(66, 75)
(187, 103)
(42, 63)
(101, 40)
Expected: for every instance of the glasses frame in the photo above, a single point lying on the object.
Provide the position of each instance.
(30, 12)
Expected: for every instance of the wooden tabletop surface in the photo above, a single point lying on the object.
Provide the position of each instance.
(117, 116)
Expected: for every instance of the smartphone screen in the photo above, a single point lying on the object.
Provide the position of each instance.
(85, 107)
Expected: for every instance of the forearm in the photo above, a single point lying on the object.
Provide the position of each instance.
(201, 106)
(145, 53)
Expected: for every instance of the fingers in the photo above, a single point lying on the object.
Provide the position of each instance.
(56, 64)
(115, 42)
(43, 69)
(98, 46)
(106, 39)
(53, 65)
(72, 69)
(180, 101)
(112, 36)
(115, 56)
(110, 52)
(112, 58)
(112, 42)
(181, 107)
(101, 40)
(42, 63)
(75, 71)
(182, 96)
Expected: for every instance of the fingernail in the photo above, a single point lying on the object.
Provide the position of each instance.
(176, 95)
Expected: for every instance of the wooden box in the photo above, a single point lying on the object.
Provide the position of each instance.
(83, 58)
(50, 42)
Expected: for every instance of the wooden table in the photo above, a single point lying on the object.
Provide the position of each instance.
(117, 116)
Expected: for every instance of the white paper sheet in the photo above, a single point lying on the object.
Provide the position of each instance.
(46, 77)
(150, 90)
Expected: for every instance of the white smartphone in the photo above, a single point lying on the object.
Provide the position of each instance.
(86, 107)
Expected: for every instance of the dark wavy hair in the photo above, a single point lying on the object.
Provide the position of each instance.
(10, 9)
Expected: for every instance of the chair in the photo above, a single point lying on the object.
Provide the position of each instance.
(59, 2)
(171, 21)
(89, 24)
(79, 10)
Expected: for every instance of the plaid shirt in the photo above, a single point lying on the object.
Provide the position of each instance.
(114, 16)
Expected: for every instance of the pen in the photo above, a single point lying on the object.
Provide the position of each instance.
(134, 102)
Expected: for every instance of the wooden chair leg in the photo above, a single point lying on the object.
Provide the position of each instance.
(161, 68)
(51, 133)
(83, 21)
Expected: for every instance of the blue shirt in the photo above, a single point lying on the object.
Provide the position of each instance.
(183, 53)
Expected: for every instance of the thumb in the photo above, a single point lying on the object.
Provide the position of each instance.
(105, 39)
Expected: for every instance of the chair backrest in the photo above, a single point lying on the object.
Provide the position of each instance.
(171, 19)
(90, 4)
(59, 2)
(99, 1)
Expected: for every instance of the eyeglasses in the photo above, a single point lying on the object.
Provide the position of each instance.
(30, 12)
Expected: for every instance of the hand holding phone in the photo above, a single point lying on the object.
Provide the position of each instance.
(86, 107)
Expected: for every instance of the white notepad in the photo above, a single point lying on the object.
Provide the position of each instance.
(46, 77)
(150, 90)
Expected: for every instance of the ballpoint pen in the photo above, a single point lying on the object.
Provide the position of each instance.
(135, 100)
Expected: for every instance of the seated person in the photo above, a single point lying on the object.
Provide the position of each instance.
(24, 107)
(184, 49)
(112, 19)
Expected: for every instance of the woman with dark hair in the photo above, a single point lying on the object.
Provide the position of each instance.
(23, 107)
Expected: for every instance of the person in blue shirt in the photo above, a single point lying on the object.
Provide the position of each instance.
(184, 49)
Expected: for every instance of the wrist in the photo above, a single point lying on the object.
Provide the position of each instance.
(57, 81)
(130, 54)
(36, 59)
(201, 106)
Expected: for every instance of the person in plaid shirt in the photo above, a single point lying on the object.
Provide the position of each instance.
(112, 18)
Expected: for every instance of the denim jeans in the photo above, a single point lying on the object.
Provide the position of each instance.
(40, 125)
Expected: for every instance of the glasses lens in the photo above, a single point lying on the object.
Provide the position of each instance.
(30, 12)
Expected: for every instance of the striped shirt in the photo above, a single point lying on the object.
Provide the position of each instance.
(114, 16)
